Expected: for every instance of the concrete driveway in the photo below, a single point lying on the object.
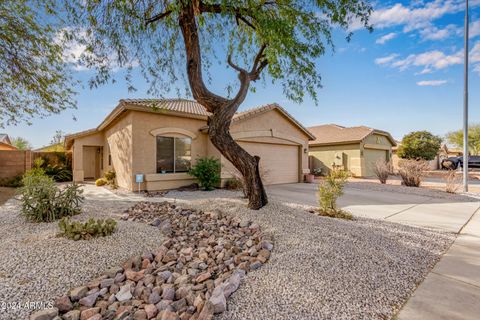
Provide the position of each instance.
(402, 208)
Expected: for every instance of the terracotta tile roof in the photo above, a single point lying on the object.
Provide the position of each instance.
(178, 105)
(182, 106)
(334, 134)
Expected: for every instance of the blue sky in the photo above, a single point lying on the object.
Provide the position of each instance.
(407, 75)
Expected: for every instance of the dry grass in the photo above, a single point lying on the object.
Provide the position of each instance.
(382, 169)
(452, 181)
(5, 194)
(412, 172)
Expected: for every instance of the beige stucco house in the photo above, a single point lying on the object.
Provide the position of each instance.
(161, 139)
(355, 149)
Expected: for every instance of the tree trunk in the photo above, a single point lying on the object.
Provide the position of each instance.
(248, 165)
(223, 109)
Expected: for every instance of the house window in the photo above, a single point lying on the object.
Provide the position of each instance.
(173, 154)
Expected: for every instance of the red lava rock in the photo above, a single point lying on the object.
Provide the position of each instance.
(190, 276)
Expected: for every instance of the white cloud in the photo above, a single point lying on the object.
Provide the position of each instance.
(474, 54)
(416, 16)
(474, 29)
(433, 83)
(385, 38)
(429, 60)
(420, 16)
(387, 59)
(476, 68)
(434, 33)
(432, 60)
(75, 52)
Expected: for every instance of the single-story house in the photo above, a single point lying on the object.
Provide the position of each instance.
(355, 149)
(161, 139)
(6, 143)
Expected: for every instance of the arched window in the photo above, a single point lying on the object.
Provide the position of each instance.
(174, 154)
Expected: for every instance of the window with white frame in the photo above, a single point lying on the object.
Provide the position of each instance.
(173, 154)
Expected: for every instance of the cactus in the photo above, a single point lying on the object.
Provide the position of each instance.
(89, 229)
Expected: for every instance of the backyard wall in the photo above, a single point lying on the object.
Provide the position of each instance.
(14, 163)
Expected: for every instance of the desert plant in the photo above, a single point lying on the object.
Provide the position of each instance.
(412, 172)
(92, 228)
(233, 184)
(101, 182)
(14, 182)
(207, 171)
(42, 201)
(452, 181)
(110, 176)
(59, 173)
(328, 193)
(382, 170)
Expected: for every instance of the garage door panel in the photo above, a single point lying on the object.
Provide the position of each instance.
(372, 156)
(278, 163)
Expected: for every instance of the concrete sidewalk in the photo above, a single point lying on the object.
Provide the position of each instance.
(410, 209)
(452, 290)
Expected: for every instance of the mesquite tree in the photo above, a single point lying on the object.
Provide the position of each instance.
(34, 78)
(280, 39)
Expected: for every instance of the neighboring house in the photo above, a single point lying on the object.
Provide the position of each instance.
(5, 143)
(355, 149)
(56, 147)
(163, 138)
(443, 153)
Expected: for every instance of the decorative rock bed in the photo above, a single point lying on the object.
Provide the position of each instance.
(190, 276)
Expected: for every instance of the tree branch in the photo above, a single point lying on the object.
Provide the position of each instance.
(233, 65)
(260, 55)
(200, 92)
(157, 17)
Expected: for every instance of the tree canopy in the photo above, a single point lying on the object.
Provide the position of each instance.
(21, 143)
(34, 79)
(419, 145)
(456, 138)
(180, 40)
(289, 34)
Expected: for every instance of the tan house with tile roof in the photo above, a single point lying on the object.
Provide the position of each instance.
(161, 139)
(355, 149)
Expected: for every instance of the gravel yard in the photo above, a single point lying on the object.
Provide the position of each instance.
(5, 194)
(36, 266)
(320, 268)
(324, 268)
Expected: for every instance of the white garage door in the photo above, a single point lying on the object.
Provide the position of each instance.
(278, 163)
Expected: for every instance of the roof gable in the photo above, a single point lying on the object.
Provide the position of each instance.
(329, 134)
(5, 138)
(179, 107)
(247, 114)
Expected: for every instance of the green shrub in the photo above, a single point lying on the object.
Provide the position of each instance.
(92, 228)
(207, 171)
(110, 176)
(101, 182)
(233, 184)
(42, 201)
(329, 191)
(14, 182)
(59, 173)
